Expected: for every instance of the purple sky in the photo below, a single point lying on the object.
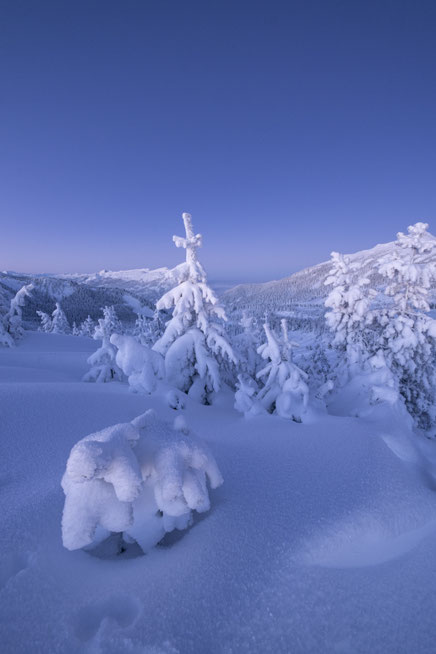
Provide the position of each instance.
(287, 129)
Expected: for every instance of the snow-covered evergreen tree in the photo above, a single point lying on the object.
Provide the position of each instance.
(14, 317)
(75, 330)
(193, 343)
(142, 366)
(348, 313)
(87, 328)
(6, 339)
(141, 330)
(408, 334)
(245, 345)
(45, 321)
(59, 322)
(285, 391)
(102, 362)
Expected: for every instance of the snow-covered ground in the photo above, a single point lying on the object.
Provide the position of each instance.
(321, 539)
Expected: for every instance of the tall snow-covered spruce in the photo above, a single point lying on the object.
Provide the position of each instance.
(408, 334)
(348, 307)
(193, 343)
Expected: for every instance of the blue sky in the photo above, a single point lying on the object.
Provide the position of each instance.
(287, 129)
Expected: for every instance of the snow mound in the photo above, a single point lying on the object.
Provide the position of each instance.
(142, 478)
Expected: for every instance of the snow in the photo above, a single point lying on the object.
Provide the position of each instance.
(321, 539)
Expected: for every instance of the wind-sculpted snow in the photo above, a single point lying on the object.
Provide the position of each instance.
(140, 478)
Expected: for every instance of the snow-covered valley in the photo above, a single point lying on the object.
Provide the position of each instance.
(321, 539)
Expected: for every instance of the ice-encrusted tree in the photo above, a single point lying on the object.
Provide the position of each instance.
(45, 321)
(59, 322)
(193, 343)
(87, 328)
(103, 365)
(285, 391)
(408, 333)
(14, 317)
(348, 306)
(139, 479)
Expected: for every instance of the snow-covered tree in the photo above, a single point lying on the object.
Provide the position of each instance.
(193, 343)
(6, 339)
(285, 391)
(59, 322)
(75, 330)
(348, 312)
(87, 328)
(14, 317)
(245, 345)
(140, 479)
(102, 362)
(408, 333)
(45, 321)
(246, 400)
(142, 366)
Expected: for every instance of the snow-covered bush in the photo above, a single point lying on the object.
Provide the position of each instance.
(103, 364)
(285, 391)
(141, 478)
(142, 366)
(246, 400)
(193, 343)
(348, 313)
(13, 318)
(59, 322)
(408, 334)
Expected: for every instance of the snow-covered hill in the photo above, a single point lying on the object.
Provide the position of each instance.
(304, 291)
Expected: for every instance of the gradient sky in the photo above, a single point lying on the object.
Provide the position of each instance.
(287, 129)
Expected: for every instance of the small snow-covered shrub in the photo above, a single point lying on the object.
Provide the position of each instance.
(246, 396)
(142, 366)
(142, 478)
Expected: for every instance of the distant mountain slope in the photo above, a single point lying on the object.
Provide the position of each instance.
(305, 290)
(143, 282)
(83, 294)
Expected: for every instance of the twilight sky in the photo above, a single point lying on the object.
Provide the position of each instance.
(287, 129)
